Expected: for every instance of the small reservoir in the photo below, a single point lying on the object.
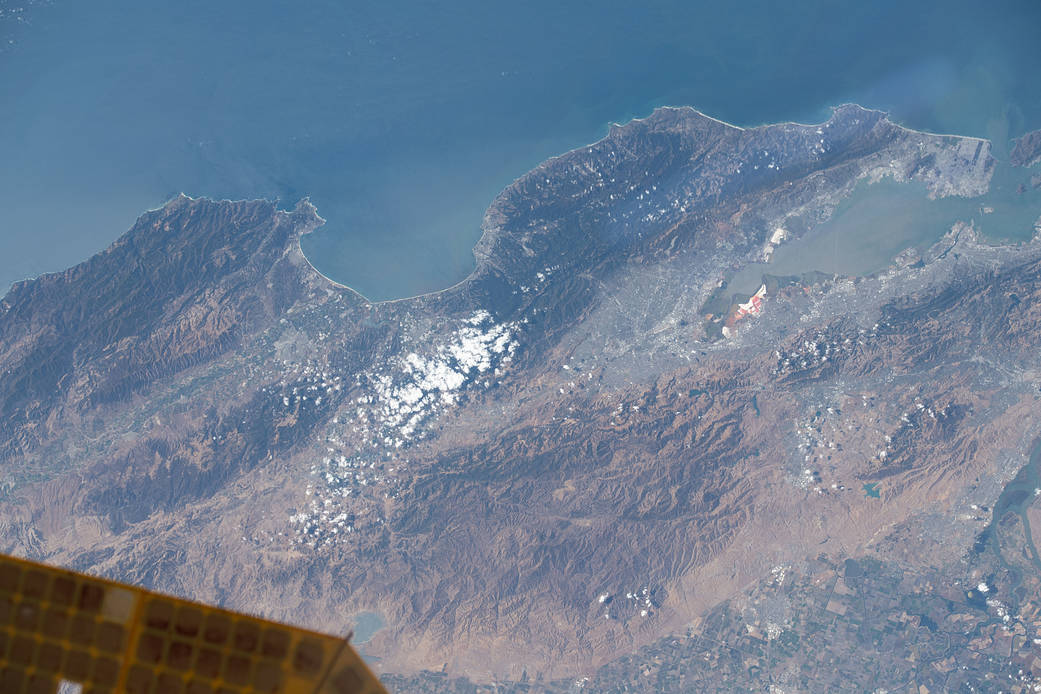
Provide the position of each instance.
(366, 624)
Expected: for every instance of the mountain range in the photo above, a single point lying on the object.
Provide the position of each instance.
(561, 460)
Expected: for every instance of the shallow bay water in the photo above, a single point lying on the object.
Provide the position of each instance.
(879, 220)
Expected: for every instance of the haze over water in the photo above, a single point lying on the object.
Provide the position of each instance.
(403, 122)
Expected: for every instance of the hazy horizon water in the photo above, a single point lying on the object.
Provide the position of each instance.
(403, 123)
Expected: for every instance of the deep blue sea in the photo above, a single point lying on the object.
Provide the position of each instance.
(402, 120)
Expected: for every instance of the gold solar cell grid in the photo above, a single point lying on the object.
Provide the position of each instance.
(183, 643)
(57, 626)
(52, 628)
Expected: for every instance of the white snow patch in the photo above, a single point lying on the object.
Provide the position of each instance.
(399, 401)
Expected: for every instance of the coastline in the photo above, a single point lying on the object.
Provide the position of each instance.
(612, 128)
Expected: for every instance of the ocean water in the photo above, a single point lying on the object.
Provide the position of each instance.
(402, 121)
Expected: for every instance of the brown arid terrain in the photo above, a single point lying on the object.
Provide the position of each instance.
(550, 468)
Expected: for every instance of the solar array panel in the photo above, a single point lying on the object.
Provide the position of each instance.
(67, 633)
